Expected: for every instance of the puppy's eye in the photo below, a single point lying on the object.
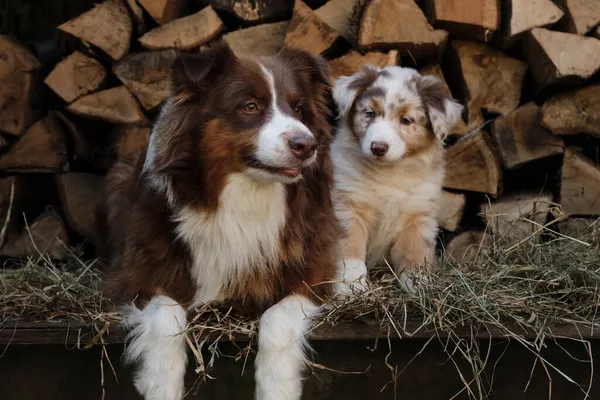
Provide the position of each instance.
(405, 121)
(370, 114)
(298, 110)
(251, 107)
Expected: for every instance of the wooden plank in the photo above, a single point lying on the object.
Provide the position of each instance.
(15, 333)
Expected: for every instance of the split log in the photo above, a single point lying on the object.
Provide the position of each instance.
(80, 194)
(524, 15)
(116, 105)
(473, 165)
(147, 75)
(185, 33)
(580, 185)
(400, 24)
(581, 16)
(107, 26)
(472, 19)
(559, 58)
(18, 70)
(510, 217)
(491, 80)
(574, 112)
(337, 14)
(308, 32)
(255, 11)
(137, 12)
(521, 138)
(451, 210)
(76, 76)
(261, 40)
(468, 246)
(130, 141)
(162, 11)
(42, 148)
(12, 199)
(46, 235)
(460, 129)
(353, 61)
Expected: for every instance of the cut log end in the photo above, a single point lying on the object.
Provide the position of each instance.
(574, 112)
(352, 62)
(76, 76)
(116, 105)
(261, 40)
(580, 185)
(472, 19)
(308, 32)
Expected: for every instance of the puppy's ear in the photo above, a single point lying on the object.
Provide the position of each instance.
(347, 88)
(197, 71)
(303, 61)
(443, 111)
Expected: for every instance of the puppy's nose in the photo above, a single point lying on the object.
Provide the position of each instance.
(379, 148)
(303, 146)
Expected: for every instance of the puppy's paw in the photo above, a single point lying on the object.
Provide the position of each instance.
(411, 278)
(352, 279)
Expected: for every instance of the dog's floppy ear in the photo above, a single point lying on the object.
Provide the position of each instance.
(443, 111)
(346, 88)
(316, 66)
(198, 70)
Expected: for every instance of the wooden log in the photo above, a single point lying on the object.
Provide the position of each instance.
(46, 235)
(107, 26)
(580, 185)
(574, 112)
(18, 72)
(80, 194)
(163, 11)
(308, 32)
(13, 195)
(261, 40)
(470, 19)
(42, 148)
(82, 148)
(524, 15)
(76, 76)
(4, 143)
(460, 129)
(558, 58)
(472, 164)
(515, 217)
(254, 11)
(521, 138)
(451, 210)
(490, 79)
(400, 24)
(147, 75)
(185, 33)
(581, 16)
(467, 247)
(137, 13)
(116, 105)
(353, 61)
(337, 14)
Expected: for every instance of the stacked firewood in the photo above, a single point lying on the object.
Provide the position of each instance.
(526, 70)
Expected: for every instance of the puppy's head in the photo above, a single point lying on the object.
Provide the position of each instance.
(395, 112)
(259, 116)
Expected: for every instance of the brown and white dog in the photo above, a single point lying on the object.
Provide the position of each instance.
(388, 169)
(230, 203)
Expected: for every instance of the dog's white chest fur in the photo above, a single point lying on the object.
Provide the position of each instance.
(243, 234)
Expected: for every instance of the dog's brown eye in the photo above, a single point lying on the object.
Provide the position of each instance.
(405, 121)
(251, 107)
(298, 110)
(370, 114)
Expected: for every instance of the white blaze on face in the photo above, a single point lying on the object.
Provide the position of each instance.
(383, 131)
(272, 147)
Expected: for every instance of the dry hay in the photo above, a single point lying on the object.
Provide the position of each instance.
(520, 291)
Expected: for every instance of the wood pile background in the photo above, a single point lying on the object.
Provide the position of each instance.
(85, 93)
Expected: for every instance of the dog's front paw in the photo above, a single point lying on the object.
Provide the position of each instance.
(352, 279)
(410, 278)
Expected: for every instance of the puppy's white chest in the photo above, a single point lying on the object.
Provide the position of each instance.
(244, 234)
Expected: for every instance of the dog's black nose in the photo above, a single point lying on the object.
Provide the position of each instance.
(379, 148)
(302, 147)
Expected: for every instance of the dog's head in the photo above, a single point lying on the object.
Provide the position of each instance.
(395, 112)
(265, 117)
